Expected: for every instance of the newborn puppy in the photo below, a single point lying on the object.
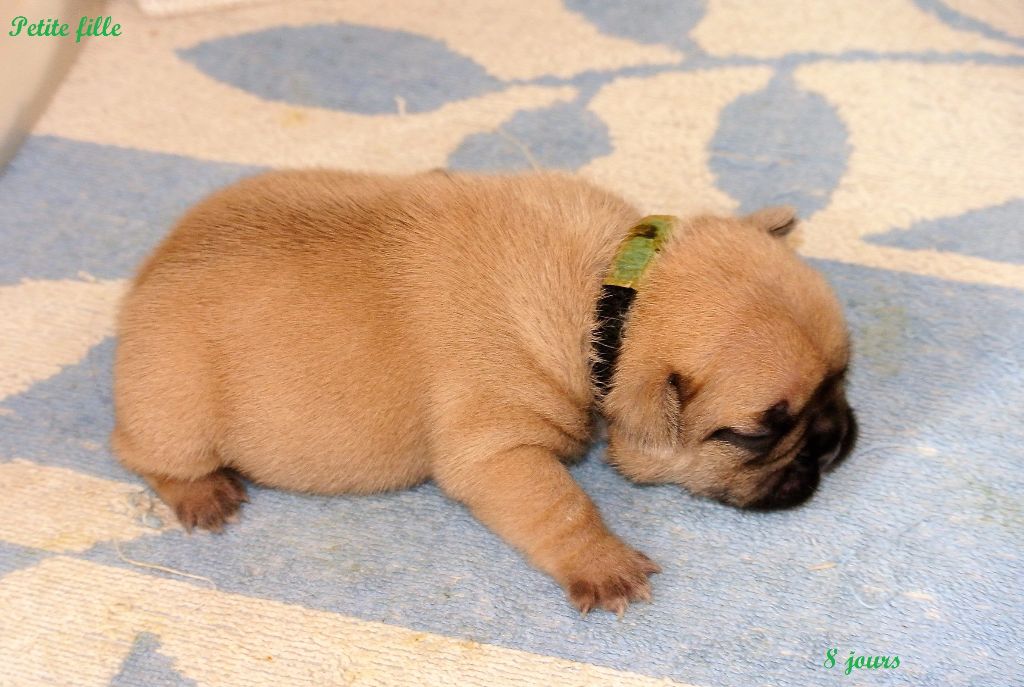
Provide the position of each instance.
(333, 333)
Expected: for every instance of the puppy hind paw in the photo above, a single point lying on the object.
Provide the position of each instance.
(208, 503)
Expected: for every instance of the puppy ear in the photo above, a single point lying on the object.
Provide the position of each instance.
(646, 409)
(778, 220)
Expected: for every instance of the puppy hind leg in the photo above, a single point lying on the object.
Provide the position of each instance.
(166, 425)
(201, 492)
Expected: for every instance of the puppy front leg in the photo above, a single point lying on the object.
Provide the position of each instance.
(527, 496)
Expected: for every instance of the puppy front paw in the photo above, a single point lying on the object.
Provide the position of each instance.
(609, 577)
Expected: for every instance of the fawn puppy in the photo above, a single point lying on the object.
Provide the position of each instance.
(330, 332)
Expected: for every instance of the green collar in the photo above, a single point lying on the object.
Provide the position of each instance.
(637, 250)
(634, 256)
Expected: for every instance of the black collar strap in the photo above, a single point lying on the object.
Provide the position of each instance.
(635, 254)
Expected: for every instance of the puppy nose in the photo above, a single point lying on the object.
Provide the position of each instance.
(850, 432)
(832, 437)
(819, 459)
(825, 438)
(826, 459)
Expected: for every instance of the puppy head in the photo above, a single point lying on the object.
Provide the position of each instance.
(730, 380)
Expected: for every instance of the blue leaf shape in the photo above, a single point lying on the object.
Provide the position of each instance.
(780, 145)
(65, 421)
(70, 206)
(994, 233)
(565, 136)
(144, 665)
(963, 22)
(343, 66)
(14, 557)
(652, 21)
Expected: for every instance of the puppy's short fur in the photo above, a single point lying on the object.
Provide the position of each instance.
(331, 332)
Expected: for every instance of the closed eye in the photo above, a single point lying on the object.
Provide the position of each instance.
(757, 443)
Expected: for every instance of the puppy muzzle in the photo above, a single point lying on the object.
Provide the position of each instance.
(829, 441)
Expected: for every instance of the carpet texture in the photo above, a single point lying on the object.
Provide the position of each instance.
(895, 126)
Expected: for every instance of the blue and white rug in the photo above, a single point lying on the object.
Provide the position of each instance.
(895, 126)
